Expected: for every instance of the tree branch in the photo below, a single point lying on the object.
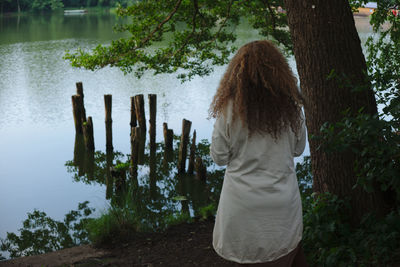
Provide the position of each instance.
(222, 25)
(148, 37)
(159, 26)
(272, 14)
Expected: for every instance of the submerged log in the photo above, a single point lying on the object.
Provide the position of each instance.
(186, 124)
(108, 121)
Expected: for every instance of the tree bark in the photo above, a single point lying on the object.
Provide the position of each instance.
(324, 40)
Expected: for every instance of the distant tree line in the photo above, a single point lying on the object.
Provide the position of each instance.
(49, 5)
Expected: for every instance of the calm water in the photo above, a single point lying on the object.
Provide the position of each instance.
(36, 123)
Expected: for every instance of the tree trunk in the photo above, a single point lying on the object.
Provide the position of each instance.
(325, 40)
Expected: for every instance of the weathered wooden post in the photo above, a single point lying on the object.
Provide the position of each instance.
(186, 124)
(192, 153)
(168, 137)
(79, 154)
(109, 178)
(79, 91)
(182, 190)
(76, 109)
(108, 109)
(152, 133)
(133, 122)
(141, 118)
(135, 142)
(89, 165)
(88, 134)
(168, 144)
(140, 115)
(152, 120)
(201, 170)
(152, 174)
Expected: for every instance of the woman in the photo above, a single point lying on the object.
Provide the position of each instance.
(259, 128)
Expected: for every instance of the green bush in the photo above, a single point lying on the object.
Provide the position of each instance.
(330, 239)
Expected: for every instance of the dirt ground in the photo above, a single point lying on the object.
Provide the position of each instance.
(180, 245)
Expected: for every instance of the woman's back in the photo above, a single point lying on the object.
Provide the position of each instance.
(260, 186)
(259, 129)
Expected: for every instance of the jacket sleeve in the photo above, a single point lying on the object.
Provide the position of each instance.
(301, 139)
(219, 148)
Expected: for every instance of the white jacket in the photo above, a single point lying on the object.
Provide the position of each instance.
(259, 216)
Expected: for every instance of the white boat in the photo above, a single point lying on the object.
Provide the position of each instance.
(75, 12)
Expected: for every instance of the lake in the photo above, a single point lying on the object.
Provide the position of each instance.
(37, 131)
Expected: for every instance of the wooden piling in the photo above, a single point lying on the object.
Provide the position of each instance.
(108, 121)
(140, 115)
(186, 124)
(135, 141)
(168, 144)
(133, 113)
(76, 109)
(192, 153)
(181, 188)
(79, 154)
(109, 178)
(79, 91)
(88, 134)
(153, 174)
(152, 120)
(201, 170)
(168, 137)
(141, 118)
(89, 165)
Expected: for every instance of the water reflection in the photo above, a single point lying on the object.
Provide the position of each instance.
(56, 26)
(157, 192)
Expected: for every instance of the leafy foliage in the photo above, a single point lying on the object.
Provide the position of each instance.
(41, 5)
(377, 141)
(41, 234)
(329, 237)
(170, 36)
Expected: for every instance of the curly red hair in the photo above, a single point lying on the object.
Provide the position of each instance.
(263, 90)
